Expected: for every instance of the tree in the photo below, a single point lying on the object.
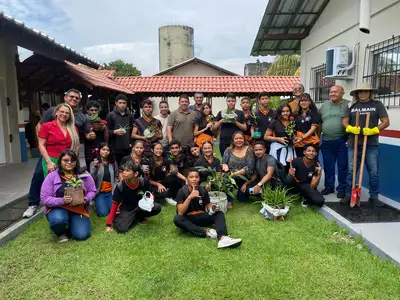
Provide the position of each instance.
(122, 68)
(285, 65)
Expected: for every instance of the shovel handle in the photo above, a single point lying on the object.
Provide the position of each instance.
(364, 149)
(355, 152)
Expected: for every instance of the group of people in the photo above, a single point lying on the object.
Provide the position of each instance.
(125, 157)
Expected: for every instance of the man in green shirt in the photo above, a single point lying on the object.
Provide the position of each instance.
(333, 147)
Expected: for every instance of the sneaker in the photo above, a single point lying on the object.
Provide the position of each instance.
(62, 238)
(227, 242)
(30, 211)
(229, 206)
(304, 203)
(170, 201)
(340, 195)
(211, 233)
(345, 200)
(143, 222)
(376, 202)
(327, 191)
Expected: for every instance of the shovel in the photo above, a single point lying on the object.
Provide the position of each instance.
(356, 191)
(353, 200)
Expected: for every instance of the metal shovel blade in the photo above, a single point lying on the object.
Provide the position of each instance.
(355, 196)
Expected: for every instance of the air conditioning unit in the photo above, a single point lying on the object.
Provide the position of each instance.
(339, 62)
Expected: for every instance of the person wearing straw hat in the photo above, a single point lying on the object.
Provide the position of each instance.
(364, 102)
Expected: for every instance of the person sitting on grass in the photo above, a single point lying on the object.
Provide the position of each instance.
(162, 185)
(193, 156)
(207, 160)
(266, 171)
(304, 176)
(195, 210)
(105, 174)
(177, 159)
(137, 155)
(66, 216)
(125, 210)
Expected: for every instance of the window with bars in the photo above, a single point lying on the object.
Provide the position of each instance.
(320, 86)
(382, 70)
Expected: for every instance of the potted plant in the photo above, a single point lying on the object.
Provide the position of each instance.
(75, 191)
(276, 202)
(150, 131)
(95, 122)
(124, 128)
(290, 131)
(254, 121)
(221, 185)
(229, 115)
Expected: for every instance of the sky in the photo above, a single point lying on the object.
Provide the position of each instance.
(105, 30)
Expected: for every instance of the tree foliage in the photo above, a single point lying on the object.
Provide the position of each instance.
(285, 65)
(122, 68)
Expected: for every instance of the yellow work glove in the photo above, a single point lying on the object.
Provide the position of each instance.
(370, 131)
(353, 129)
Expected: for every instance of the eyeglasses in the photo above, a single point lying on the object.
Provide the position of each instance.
(68, 161)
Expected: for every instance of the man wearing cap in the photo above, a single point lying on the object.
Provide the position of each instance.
(334, 139)
(364, 102)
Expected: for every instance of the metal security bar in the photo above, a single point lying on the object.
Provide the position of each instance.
(382, 70)
(320, 86)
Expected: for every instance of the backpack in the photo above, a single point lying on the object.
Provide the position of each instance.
(280, 173)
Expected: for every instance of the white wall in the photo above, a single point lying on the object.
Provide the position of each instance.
(9, 88)
(338, 25)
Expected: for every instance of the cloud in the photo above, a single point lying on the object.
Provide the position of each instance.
(224, 30)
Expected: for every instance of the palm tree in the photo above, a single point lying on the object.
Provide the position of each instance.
(285, 65)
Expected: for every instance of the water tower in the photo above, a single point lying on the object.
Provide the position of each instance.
(175, 45)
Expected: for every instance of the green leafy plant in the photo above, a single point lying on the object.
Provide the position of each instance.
(94, 118)
(277, 197)
(76, 182)
(209, 119)
(229, 115)
(290, 130)
(220, 182)
(124, 128)
(150, 131)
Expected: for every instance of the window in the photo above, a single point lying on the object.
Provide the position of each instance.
(320, 86)
(382, 70)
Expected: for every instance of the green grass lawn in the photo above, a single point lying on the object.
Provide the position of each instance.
(304, 257)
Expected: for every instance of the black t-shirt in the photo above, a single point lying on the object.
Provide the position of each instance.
(202, 162)
(304, 173)
(376, 109)
(81, 120)
(144, 161)
(249, 120)
(179, 161)
(277, 128)
(107, 175)
(304, 121)
(228, 129)
(202, 124)
(130, 196)
(197, 204)
(158, 172)
(264, 120)
(141, 124)
(262, 164)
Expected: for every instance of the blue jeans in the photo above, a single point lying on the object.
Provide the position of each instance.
(372, 166)
(333, 152)
(103, 202)
(63, 221)
(36, 184)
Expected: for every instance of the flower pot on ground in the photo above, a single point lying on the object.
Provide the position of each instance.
(276, 202)
(219, 198)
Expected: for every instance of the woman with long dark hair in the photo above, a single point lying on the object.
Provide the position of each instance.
(307, 121)
(207, 159)
(104, 171)
(203, 126)
(65, 215)
(137, 155)
(239, 158)
(280, 134)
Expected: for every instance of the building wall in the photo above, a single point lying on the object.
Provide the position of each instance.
(176, 45)
(9, 113)
(197, 69)
(338, 25)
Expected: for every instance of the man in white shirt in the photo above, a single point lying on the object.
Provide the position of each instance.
(163, 117)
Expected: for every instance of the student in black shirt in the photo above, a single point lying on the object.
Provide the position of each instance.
(137, 155)
(126, 197)
(194, 210)
(203, 125)
(304, 176)
(263, 118)
(229, 120)
(245, 105)
(207, 160)
(193, 156)
(177, 159)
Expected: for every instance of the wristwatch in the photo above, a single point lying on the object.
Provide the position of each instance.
(259, 184)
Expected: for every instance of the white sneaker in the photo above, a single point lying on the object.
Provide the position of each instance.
(31, 210)
(227, 242)
(62, 238)
(170, 201)
(211, 233)
(304, 203)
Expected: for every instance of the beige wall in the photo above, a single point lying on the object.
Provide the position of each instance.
(196, 69)
(338, 25)
(9, 113)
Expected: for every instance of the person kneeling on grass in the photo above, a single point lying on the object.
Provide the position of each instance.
(125, 210)
(304, 176)
(194, 210)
